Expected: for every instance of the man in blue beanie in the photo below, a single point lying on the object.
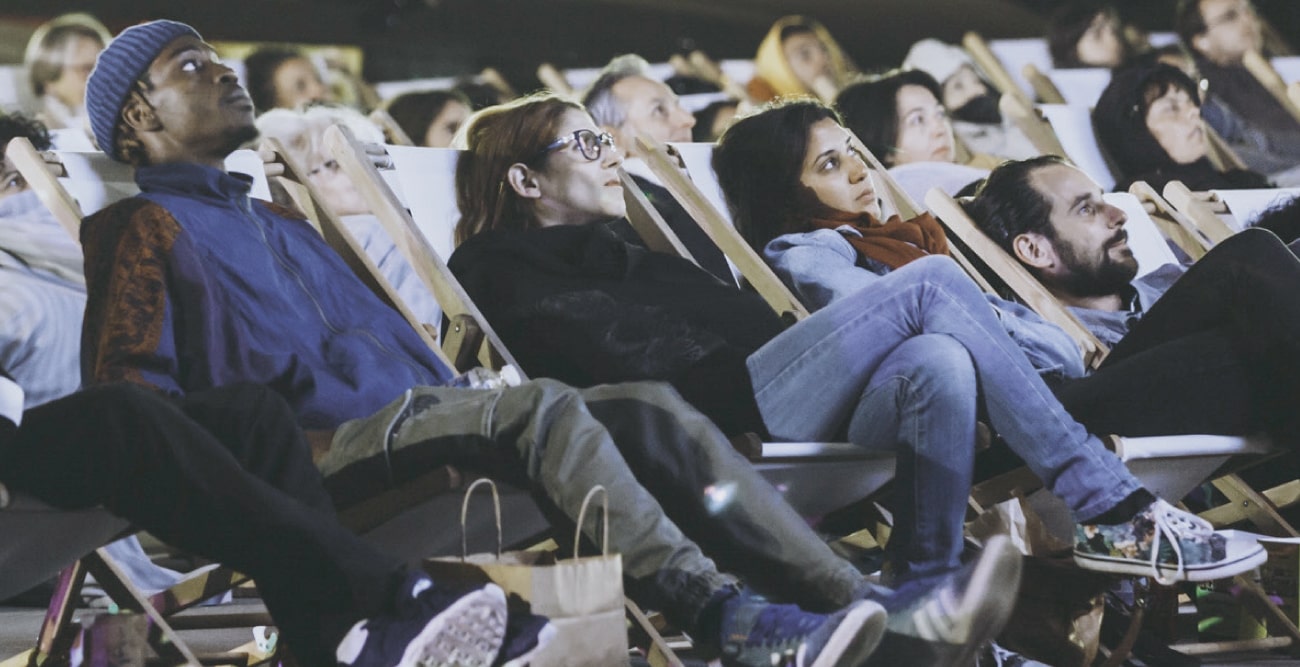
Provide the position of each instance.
(194, 285)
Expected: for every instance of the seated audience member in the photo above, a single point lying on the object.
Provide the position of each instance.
(231, 290)
(888, 368)
(283, 79)
(1087, 33)
(226, 474)
(628, 103)
(713, 120)
(302, 133)
(798, 57)
(42, 298)
(899, 118)
(481, 95)
(1148, 120)
(803, 197)
(58, 59)
(1219, 33)
(431, 117)
(1210, 349)
(42, 290)
(972, 103)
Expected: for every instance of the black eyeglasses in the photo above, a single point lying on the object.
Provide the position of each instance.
(590, 144)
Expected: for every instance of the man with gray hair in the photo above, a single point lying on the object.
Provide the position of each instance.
(626, 101)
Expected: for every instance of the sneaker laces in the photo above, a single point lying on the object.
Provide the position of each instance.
(1174, 525)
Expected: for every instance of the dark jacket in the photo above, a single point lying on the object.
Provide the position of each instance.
(579, 304)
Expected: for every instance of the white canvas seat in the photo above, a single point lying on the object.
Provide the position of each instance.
(1081, 86)
(1014, 54)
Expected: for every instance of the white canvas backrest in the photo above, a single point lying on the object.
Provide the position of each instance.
(1144, 238)
(1162, 39)
(15, 91)
(1288, 68)
(71, 139)
(1247, 205)
(916, 178)
(387, 90)
(1073, 126)
(699, 163)
(426, 183)
(1081, 86)
(1014, 54)
(96, 181)
(580, 78)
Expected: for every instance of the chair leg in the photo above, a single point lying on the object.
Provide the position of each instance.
(55, 637)
(658, 653)
(162, 637)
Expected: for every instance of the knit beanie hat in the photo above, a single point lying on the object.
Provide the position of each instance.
(118, 67)
(1119, 119)
(936, 58)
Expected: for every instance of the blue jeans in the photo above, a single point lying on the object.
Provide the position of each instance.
(902, 365)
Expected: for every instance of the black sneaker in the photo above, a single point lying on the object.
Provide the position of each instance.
(755, 632)
(947, 623)
(526, 635)
(430, 626)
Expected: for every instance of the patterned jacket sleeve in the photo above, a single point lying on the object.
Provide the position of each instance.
(127, 334)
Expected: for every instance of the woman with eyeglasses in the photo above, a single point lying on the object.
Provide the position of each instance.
(900, 367)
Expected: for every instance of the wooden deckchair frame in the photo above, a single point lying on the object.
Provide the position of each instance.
(988, 62)
(1173, 224)
(464, 317)
(1043, 86)
(1263, 71)
(1204, 209)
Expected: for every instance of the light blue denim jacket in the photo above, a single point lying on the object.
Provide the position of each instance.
(821, 266)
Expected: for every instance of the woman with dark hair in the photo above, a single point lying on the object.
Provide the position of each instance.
(899, 117)
(902, 367)
(1148, 120)
(432, 117)
(283, 79)
(1087, 33)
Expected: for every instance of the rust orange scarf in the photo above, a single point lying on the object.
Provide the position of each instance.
(894, 242)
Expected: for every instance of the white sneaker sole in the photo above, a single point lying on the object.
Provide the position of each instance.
(853, 640)
(1241, 556)
(466, 634)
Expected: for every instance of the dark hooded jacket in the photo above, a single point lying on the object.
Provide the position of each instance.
(1120, 122)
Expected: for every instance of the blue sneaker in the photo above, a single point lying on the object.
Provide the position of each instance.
(756, 632)
(945, 624)
(526, 635)
(430, 626)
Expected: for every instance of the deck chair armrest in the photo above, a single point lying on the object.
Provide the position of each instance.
(1173, 446)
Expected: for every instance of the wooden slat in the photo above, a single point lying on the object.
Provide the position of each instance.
(162, 637)
(34, 169)
(648, 223)
(1281, 496)
(1198, 210)
(1173, 224)
(751, 266)
(1033, 125)
(988, 62)
(409, 241)
(1263, 71)
(1258, 508)
(1044, 87)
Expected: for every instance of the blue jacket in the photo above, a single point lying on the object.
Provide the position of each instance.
(192, 284)
(821, 266)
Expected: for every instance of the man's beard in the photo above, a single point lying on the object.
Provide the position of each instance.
(1108, 277)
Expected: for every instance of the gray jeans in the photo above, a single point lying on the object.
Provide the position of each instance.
(666, 467)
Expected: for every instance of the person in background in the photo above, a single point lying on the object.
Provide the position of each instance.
(1087, 33)
(713, 120)
(972, 103)
(302, 133)
(283, 79)
(899, 118)
(798, 57)
(58, 59)
(431, 117)
(1148, 120)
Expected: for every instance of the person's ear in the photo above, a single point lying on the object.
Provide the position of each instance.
(523, 180)
(139, 115)
(1034, 250)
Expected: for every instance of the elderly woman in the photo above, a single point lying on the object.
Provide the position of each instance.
(798, 57)
(899, 117)
(1149, 122)
(59, 57)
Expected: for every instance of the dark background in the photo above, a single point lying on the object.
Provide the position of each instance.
(425, 38)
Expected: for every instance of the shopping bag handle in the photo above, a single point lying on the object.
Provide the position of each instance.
(582, 516)
(464, 512)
